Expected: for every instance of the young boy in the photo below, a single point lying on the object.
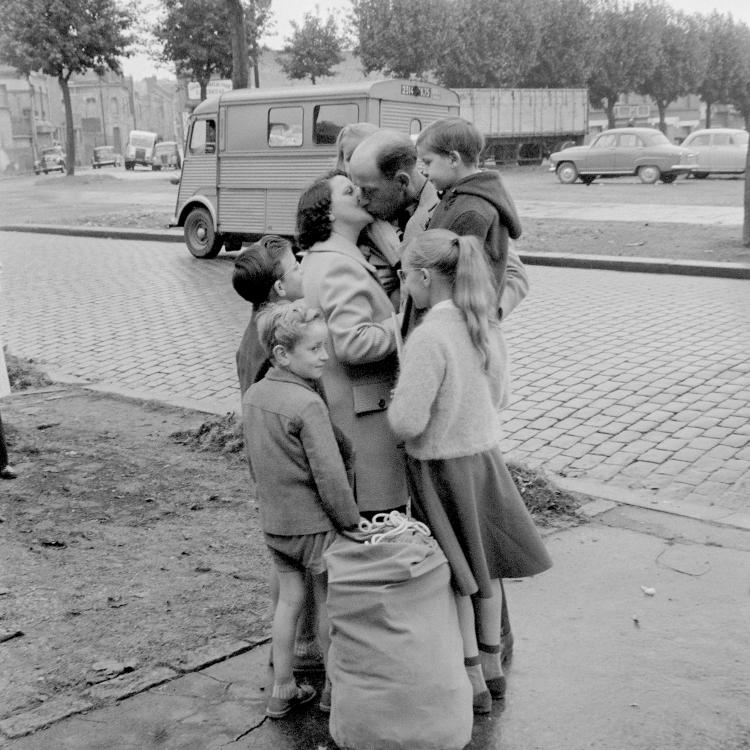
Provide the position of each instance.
(267, 271)
(302, 470)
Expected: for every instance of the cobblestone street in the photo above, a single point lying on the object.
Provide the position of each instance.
(633, 381)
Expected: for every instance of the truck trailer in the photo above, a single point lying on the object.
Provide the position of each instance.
(524, 126)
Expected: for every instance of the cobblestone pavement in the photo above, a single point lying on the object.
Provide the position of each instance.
(631, 381)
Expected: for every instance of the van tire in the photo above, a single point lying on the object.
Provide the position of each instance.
(200, 236)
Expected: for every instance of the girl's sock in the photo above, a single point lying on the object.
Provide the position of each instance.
(482, 699)
(489, 658)
(285, 690)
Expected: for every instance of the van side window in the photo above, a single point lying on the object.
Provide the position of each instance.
(203, 137)
(328, 119)
(284, 126)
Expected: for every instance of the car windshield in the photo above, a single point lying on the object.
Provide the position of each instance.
(50, 151)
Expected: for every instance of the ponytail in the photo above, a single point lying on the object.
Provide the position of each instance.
(462, 260)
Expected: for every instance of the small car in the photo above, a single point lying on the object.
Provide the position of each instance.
(51, 159)
(166, 156)
(105, 156)
(645, 152)
(719, 151)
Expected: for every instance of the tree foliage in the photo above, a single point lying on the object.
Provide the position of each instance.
(626, 49)
(403, 38)
(680, 59)
(313, 49)
(62, 38)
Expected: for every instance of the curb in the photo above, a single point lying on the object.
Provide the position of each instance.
(635, 264)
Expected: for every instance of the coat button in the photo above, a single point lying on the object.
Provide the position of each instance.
(381, 403)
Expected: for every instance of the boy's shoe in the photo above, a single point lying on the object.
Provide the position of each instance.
(278, 708)
(325, 698)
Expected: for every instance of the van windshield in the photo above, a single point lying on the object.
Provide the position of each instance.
(144, 141)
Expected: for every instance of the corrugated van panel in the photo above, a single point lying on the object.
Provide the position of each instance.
(398, 116)
(242, 210)
(281, 212)
(272, 170)
(198, 173)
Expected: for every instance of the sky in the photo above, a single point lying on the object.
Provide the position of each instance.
(285, 11)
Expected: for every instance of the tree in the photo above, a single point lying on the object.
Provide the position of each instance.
(62, 38)
(313, 49)
(492, 43)
(566, 46)
(239, 44)
(724, 53)
(680, 59)
(626, 49)
(403, 38)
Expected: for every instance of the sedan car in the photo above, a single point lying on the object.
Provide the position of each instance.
(166, 156)
(718, 151)
(105, 156)
(51, 159)
(645, 152)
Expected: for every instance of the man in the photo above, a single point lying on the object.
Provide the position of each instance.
(384, 167)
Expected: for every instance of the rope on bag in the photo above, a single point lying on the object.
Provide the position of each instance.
(395, 527)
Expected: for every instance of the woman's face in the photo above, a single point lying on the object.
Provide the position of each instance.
(345, 208)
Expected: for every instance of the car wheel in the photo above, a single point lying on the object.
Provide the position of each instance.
(649, 174)
(700, 175)
(200, 236)
(567, 173)
(588, 179)
(668, 179)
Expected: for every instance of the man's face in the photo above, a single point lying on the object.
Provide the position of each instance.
(383, 198)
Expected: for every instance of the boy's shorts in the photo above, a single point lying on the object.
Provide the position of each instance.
(299, 553)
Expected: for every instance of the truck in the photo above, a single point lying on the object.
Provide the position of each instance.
(249, 153)
(524, 126)
(140, 149)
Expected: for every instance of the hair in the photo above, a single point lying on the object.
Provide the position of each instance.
(284, 324)
(257, 267)
(314, 211)
(453, 134)
(397, 154)
(356, 132)
(461, 260)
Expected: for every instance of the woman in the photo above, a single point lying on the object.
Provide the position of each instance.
(362, 367)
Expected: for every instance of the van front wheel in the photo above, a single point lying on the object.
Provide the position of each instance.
(200, 236)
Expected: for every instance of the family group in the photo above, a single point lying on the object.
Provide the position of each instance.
(402, 241)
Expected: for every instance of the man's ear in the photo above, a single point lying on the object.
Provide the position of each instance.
(403, 180)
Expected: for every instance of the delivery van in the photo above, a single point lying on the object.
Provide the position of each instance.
(250, 152)
(140, 149)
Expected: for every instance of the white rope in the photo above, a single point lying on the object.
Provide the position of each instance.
(390, 527)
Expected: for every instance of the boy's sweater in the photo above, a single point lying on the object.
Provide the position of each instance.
(444, 405)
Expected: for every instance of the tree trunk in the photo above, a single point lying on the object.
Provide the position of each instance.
(70, 135)
(746, 222)
(662, 107)
(239, 44)
(708, 114)
(610, 110)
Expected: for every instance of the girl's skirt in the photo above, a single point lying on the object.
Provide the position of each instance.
(478, 518)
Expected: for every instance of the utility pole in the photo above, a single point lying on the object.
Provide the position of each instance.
(101, 104)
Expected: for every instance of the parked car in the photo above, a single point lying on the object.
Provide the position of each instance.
(719, 151)
(51, 159)
(105, 156)
(166, 156)
(645, 152)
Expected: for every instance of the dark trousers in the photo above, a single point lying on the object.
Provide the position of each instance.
(3, 448)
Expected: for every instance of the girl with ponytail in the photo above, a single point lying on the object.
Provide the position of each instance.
(451, 387)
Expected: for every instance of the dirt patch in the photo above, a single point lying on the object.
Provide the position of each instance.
(118, 545)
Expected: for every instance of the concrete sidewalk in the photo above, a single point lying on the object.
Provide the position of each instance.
(637, 638)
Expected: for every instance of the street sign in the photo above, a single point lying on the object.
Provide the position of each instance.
(214, 88)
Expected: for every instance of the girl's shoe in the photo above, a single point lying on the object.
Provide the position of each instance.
(278, 708)
(481, 700)
(490, 659)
